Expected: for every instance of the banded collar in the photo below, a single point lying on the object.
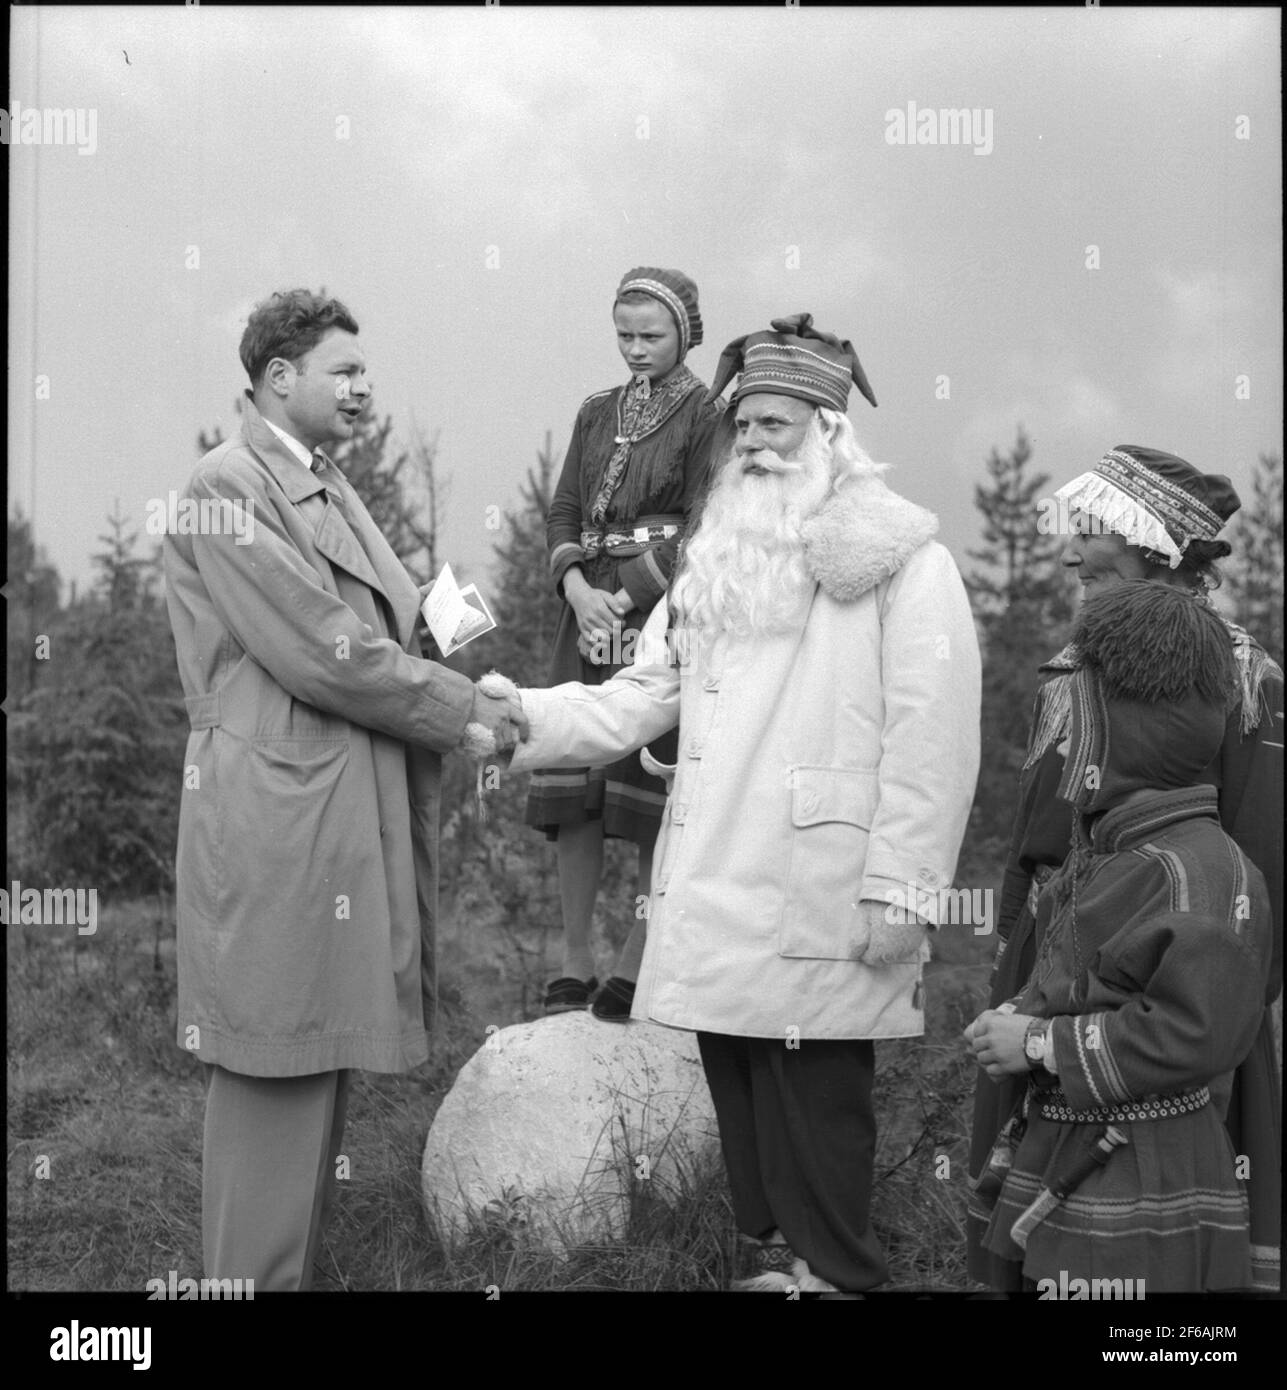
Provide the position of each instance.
(1121, 827)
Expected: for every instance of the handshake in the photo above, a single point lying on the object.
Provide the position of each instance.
(497, 723)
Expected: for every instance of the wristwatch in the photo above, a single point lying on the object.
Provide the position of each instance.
(1034, 1043)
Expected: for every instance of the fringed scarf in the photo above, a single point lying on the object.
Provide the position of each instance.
(642, 408)
(1054, 699)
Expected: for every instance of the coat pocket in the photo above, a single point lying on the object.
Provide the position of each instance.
(293, 837)
(831, 814)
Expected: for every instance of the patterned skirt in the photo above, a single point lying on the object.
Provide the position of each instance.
(629, 801)
(1166, 1208)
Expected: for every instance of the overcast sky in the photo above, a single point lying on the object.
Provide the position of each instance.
(474, 182)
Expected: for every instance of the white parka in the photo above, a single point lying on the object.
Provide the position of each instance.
(818, 768)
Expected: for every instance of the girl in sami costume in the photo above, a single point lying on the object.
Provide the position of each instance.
(634, 473)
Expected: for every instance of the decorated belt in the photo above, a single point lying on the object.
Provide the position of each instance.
(650, 531)
(1054, 1106)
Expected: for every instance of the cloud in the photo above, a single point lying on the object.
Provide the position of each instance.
(1203, 330)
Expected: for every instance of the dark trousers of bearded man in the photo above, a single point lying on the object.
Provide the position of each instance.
(799, 1137)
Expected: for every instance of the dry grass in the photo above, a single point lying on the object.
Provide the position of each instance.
(102, 1099)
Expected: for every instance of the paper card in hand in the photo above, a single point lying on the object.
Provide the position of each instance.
(455, 615)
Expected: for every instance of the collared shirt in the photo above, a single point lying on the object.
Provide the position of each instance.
(293, 444)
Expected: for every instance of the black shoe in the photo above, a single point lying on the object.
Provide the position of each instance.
(568, 994)
(613, 1001)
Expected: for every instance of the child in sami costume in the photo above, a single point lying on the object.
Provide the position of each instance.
(1149, 982)
(634, 473)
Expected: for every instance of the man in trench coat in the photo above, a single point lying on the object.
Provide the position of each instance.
(308, 830)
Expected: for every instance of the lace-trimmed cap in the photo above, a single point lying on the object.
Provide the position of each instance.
(1154, 500)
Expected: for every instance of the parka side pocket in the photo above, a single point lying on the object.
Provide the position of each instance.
(831, 815)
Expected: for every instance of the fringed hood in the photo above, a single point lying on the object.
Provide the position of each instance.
(862, 535)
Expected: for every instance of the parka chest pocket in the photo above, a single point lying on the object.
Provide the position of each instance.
(831, 814)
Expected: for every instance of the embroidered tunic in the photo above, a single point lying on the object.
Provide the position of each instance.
(634, 474)
(1155, 952)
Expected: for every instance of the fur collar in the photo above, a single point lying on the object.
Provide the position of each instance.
(862, 536)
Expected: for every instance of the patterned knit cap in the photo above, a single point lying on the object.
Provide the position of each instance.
(673, 289)
(1154, 500)
(793, 359)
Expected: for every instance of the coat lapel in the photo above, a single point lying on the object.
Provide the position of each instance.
(358, 549)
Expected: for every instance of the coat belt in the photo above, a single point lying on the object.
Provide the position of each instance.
(203, 710)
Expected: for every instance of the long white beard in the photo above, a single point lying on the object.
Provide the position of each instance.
(744, 569)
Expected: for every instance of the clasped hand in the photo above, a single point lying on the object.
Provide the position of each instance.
(598, 616)
(996, 1038)
(502, 718)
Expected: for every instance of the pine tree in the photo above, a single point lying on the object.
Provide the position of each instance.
(1255, 570)
(101, 741)
(31, 597)
(1022, 608)
(527, 609)
(501, 872)
(379, 476)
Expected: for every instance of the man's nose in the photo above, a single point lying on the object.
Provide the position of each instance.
(1070, 554)
(361, 388)
(751, 442)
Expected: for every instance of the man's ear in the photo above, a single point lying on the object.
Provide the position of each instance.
(279, 376)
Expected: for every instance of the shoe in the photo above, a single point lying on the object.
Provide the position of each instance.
(612, 1002)
(568, 994)
(769, 1265)
(808, 1282)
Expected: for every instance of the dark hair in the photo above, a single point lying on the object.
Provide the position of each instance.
(290, 324)
(1197, 566)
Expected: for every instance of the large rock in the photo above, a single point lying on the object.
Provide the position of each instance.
(550, 1123)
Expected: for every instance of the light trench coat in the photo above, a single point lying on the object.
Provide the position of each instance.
(308, 831)
(819, 768)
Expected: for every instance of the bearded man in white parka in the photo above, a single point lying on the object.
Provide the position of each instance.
(821, 662)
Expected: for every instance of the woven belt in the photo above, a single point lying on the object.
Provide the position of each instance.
(1054, 1106)
(642, 536)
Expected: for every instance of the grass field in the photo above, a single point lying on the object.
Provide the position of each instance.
(105, 1116)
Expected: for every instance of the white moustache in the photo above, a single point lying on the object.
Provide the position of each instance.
(770, 463)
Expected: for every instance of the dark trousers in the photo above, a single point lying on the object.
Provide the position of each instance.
(799, 1137)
